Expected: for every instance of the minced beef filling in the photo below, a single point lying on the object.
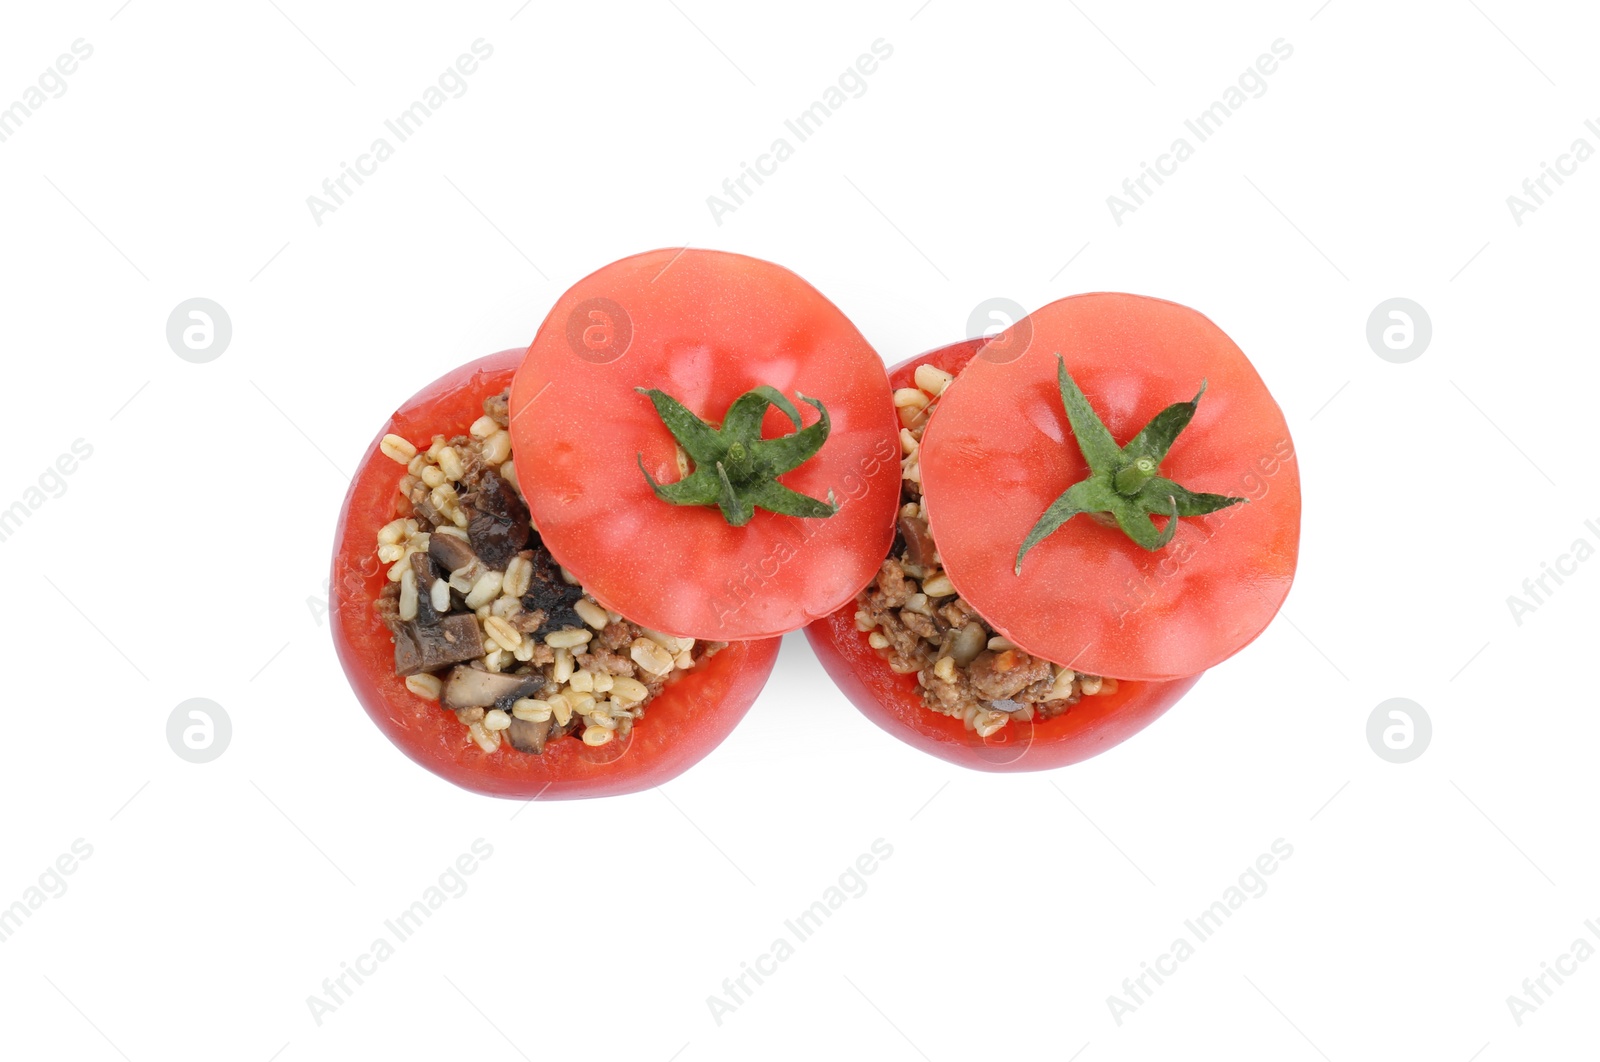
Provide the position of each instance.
(486, 622)
(914, 618)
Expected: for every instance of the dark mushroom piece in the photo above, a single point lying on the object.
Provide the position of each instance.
(420, 647)
(449, 552)
(467, 687)
(528, 736)
(919, 543)
(551, 596)
(498, 526)
(422, 568)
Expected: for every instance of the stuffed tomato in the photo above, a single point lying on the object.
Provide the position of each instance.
(1074, 548)
(563, 572)
(471, 648)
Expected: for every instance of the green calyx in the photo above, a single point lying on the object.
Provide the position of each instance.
(1124, 482)
(735, 469)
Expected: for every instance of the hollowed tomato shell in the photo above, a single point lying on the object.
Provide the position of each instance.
(680, 727)
(894, 702)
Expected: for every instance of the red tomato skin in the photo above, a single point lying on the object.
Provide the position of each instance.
(705, 327)
(894, 702)
(680, 727)
(1088, 597)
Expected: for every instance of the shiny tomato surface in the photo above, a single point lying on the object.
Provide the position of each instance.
(703, 327)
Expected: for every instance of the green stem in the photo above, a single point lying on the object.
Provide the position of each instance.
(1131, 477)
(1124, 483)
(735, 469)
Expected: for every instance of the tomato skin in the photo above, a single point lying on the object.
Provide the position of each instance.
(998, 451)
(680, 727)
(894, 702)
(705, 327)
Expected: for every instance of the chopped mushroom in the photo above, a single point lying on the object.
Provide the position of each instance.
(422, 567)
(467, 687)
(422, 647)
(919, 543)
(499, 526)
(528, 736)
(451, 553)
(552, 596)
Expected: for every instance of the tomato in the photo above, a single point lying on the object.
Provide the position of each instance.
(999, 451)
(894, 702)
(704, 328)
(680, 726)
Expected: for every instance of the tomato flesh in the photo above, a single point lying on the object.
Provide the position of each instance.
(679, 728)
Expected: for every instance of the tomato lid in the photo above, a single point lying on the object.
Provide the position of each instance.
(1000, 450)
(658, 492)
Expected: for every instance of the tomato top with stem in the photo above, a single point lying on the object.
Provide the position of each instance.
(1000, 450)
(664, 422)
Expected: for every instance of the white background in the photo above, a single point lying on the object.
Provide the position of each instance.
(186, 557)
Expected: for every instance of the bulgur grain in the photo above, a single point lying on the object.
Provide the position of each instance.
(397, 449)
(932, 379)
(533, 711)
(408, 596)
(518, 577)
(497, 448)
(488, 740)
(561, 671)
(450, 464)
(425, 686)
(650, 656)
(591, 613)
(504, 634)
(485, 589)
(628, 689)
(567, 639)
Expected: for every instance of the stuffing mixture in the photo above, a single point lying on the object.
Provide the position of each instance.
(917, 621)
(488, 624)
